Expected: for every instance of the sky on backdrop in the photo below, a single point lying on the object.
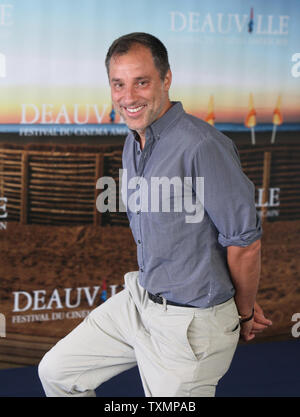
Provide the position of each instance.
(54, 54)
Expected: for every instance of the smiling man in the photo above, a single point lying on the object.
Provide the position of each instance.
(180, 315)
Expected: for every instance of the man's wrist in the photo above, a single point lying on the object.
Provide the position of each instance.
(248, 317)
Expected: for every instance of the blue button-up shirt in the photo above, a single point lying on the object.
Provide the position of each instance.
(185, 260)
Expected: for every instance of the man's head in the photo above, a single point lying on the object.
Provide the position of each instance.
(140, 77)
(159, 52)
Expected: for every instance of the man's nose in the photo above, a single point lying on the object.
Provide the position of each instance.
(130, 95)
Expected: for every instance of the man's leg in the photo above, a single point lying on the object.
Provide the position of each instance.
(95, 351)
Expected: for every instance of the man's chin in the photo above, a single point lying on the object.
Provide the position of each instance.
(138, 127)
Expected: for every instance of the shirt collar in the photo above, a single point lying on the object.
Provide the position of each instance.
(157, 127)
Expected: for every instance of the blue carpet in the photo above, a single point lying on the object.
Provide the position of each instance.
(270, 369)
(264, 370)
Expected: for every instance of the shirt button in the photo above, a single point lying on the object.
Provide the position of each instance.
(139, 241)
(138, 212)
(142, 270)
(138, 152)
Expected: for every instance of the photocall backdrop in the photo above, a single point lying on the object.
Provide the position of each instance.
(235, 64)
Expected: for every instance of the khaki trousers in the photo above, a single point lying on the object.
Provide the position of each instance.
(180, 351)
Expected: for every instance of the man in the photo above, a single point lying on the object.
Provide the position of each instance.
(180, 316)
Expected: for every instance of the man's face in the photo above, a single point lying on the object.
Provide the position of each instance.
(138, 93)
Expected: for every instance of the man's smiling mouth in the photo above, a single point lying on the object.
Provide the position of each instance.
(134, 110)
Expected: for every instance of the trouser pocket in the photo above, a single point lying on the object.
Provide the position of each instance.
(198, 337)
(179, 336)
(227, 320)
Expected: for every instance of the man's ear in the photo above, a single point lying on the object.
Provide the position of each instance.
(168, 80)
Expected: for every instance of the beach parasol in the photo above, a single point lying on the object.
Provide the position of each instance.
(277, 119)
(251, 118)
(210, 118)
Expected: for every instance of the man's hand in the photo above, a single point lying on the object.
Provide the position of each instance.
(256, 325)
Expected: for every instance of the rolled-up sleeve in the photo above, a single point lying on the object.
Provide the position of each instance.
(229, 195)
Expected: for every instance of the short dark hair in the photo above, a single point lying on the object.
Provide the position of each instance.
(159, 52)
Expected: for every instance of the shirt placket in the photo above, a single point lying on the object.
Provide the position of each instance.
(146, 153)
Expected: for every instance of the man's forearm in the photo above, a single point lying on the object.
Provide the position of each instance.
(245, 266)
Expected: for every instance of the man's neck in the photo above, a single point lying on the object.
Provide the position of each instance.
(142, 142)
(142, 138)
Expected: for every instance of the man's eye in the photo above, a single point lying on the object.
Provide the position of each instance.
(142, 83)
(118, 86)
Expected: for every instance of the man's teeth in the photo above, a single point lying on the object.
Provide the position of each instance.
(136, 109)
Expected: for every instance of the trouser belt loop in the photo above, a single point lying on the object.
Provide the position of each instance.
(164, 303)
